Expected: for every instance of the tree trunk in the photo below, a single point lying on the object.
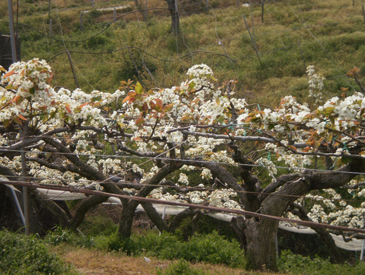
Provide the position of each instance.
(84, 206)
(174, 13)
(155, 217)
(335, 253)
(261, 244)
(126, 220)
(238, 225)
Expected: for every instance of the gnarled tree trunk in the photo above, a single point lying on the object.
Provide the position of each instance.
(126, 220)
(261, 244)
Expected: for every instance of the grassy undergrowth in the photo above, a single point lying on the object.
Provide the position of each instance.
(294, 34)
(30, 255)
(20, 254)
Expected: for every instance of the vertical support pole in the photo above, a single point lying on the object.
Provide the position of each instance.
(18, 205)
(25, 189)
(362, 250)
(301, 52)
(81, 27)
(92, 4)
(363, 12)
(238, 3)
(176, 18)
(206, 5)
(50, 27)
(253, 25)
(11, 27)
(163, 216)
(262, 10)
(145, 11)
(114, 15)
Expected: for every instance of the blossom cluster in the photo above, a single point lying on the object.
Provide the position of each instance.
(195, 121)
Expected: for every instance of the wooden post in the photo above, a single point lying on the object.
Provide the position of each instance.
(262, 10)
(145, 10)
(114, 15)
(238, 3)
(206, 5)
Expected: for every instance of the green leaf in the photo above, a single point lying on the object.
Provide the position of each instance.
(6, 123)
(139, 88)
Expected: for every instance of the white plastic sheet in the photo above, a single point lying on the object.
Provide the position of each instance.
(353, 245)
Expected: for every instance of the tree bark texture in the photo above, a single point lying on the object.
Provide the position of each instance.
(261, 244)
(84, 206)
(126, 220)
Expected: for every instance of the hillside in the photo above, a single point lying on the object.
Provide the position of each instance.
(293, 34)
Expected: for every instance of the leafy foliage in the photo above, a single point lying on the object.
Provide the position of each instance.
(20, 254)
(182, 267)
(60, 235)
(297, 264)
(210, 248)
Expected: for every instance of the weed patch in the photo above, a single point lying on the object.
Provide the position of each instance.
(20, 254)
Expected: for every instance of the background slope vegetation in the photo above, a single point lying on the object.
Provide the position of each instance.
(288, 36)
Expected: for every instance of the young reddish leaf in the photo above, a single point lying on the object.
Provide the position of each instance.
(17, 99)
(17, 120)
(43, 108)
(126, 98)
(139, 121)
(168, 107)
(67, 106)
(158, 105)
(293, 147)
(82, 105)
(9, 74)
(22, 117)
(130, 96)
(49, 80)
